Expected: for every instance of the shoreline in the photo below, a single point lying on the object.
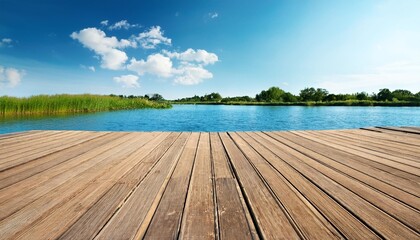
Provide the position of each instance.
(309, 104)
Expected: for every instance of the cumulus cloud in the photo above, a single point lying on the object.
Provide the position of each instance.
(185, 68)
(192, 75)
(162, 66)
(191, 70)
(129, 81)
(156, 64)
(6, 42)
(213, 15)
(104, 23)
(152, 38)
(10, 76)
(191, 55)
(108, 48)
(122, 24)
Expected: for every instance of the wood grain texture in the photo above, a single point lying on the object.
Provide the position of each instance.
(234, 219)
(351, 184)
(170, 209)
(128, 220)
(199, 206)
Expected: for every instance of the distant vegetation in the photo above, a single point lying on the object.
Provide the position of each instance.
(312, 97)
(64, 103)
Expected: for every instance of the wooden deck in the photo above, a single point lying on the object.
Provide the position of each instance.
(355, 184)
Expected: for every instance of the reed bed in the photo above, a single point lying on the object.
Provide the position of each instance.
(66, 103)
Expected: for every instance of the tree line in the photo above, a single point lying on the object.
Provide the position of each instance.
(152, 97)
(310, 94)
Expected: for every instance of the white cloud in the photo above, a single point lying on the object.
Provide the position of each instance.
(189, 65)
(6, 42)
(190, 55)
(91, 68)
(192, 75)
(129, 81)
(156, 64)
(213, 15)
(11, 76)
(108, 48)
(162, 66)
(397, 75)
(104, 23)
(150, 39)
(122, 24)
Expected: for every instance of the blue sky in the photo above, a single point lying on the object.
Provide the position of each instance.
(182, 48)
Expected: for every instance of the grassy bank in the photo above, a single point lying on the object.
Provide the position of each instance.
(313, 103)
(64, 103)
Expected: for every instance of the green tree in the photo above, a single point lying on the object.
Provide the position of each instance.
(404, 95)
(312, 94)
(155, 97)
(307, 94)
(273, 94)
(214, 97)
(288, 97)
(330, 97)
(320, 94)
(384, 95)
(362, 96)
(417, 96)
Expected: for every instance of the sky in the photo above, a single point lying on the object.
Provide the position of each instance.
(182, 48)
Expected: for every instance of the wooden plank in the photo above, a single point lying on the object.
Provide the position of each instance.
(388, 137)
(31, 145)
(344, 221)
(233, 218)
(309, 222)
(169, 211)
(401, 148)
(410, 172)
(16, 174)
(24, 138)
(343, 163)
(16, 196)
(199, 206)
(68, 212)
(91, 222)
(324, 184)
(269, 219)
(384, 224)
(406, 181)
(408, 136)
(392, 152)
(404, 130)
(14, 135)
(394, 208)
(24, 157)
(383, 138)
(384, 158)
(32, 142)
(412, 127)
(16, 224)
(129, 219)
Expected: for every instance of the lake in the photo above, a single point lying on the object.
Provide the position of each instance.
(222, 118)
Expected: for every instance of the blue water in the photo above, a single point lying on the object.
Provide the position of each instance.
(223, 118)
